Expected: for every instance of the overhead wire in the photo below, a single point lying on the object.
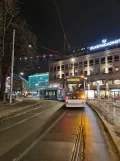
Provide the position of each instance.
(62, 25)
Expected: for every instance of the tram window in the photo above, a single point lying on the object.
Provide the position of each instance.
(58, 91)
(52, 93)
(47, 93)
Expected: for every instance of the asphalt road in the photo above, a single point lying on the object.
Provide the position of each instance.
(29, 140)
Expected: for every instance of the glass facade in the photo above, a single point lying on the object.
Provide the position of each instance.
(38, 81)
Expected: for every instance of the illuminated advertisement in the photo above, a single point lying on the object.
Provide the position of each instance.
(105, 43)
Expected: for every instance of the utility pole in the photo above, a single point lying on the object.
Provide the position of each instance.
(12, 67)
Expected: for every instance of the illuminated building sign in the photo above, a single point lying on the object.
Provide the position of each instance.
(104, 44)
(73, 79)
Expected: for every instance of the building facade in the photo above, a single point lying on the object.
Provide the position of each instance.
(38, 81)
(101, 68)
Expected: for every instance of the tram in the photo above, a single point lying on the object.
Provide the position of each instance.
(75, 91)
(54, 93)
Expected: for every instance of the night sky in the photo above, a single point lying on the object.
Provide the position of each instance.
(85, 21)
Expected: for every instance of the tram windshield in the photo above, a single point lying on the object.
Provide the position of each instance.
(74, 87)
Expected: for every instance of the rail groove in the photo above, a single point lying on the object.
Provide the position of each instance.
(78, 151)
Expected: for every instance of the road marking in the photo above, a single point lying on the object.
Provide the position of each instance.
(37, 140)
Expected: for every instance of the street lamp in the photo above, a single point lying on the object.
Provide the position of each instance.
(21, 73)
(30, 46)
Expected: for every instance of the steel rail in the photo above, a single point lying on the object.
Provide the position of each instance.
(78, 150)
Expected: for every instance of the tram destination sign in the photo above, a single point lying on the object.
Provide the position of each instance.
(104, 44)
(74, 79)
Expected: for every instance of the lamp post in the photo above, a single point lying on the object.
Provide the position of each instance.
(12, 67)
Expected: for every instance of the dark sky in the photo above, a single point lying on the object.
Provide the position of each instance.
(85, 21)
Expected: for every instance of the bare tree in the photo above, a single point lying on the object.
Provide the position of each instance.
(9, 20)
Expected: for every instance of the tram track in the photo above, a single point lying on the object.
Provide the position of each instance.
(40, 137)
(19, 118)
(21, 111)
(68, 135)
(78, 149)
(26, 145)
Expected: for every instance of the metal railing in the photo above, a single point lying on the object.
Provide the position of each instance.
(78, 152)
(109, 110)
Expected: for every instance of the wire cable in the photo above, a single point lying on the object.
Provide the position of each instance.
(62, 25)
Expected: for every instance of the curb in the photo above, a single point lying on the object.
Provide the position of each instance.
(106, 128)
(9, 114)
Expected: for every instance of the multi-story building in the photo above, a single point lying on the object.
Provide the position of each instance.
(101, 67)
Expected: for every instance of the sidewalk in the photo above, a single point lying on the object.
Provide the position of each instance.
(110, 128)
(7, 109)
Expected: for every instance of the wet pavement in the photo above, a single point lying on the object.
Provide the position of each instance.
(55, 142)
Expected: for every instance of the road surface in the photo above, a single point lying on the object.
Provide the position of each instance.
(28, 137)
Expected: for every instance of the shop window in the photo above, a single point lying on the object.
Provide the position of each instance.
(116, 81)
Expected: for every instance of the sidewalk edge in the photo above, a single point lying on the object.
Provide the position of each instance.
(106, 128)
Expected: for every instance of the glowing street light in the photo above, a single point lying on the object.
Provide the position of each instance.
(73, 59)
(21, 73)
(30, 46)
